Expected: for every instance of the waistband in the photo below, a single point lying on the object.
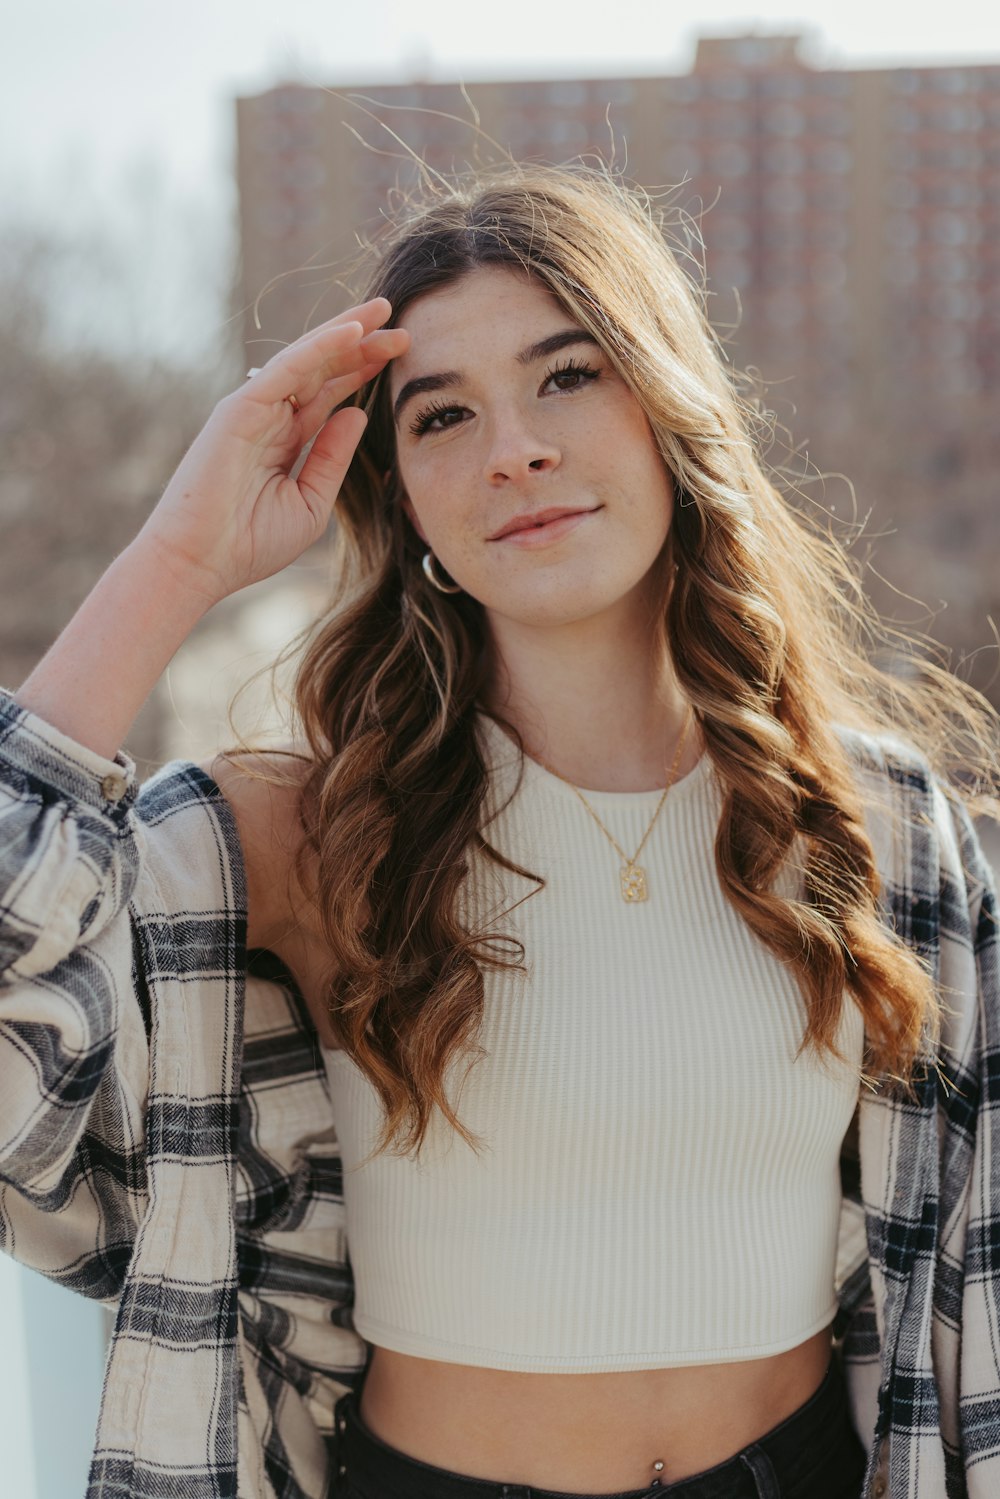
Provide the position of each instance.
(792, 1450)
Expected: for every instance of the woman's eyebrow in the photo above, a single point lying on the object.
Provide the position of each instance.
(448, 378)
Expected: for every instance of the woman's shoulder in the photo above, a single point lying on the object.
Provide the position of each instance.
(263, 789)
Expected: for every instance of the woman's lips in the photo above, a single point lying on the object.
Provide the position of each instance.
(534, 536)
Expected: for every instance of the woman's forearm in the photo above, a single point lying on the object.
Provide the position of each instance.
(93, 681)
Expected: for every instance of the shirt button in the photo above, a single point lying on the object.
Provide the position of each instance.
(113, 787)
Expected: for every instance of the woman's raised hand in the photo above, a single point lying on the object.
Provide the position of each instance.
(231, 514)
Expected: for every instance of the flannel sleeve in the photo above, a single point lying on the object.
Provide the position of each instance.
(966, 1329)
(73, 1029)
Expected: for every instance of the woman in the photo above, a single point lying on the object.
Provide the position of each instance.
(692, 1191)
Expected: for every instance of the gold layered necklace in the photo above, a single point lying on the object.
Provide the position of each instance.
(634, 886)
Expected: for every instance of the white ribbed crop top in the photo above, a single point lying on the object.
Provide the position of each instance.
(660, 1181)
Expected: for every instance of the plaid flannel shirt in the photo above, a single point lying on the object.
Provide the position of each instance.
(167, 1141)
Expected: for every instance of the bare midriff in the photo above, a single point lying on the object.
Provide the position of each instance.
(585, 1433)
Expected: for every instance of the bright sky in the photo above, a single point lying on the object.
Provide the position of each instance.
(120, 111)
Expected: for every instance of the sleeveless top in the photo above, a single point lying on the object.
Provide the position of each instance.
(658, 1181)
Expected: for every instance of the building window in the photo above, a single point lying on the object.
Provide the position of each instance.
(305, 172)
(829, 270)
(784, 309)
(901, 270)
(833, 309)
(750, 51)
(903, 192)
(784, 233)
(954, 192)
(784, 157)
(687, 125)
(730, 160)
(728, 234)
(404, 98)
(614, 91)
(959, 117)
(954, 158)
(834, 195)
(950, 81)
(296, 101)
(833, 158)
(682, 161)
(902, 231)
(687, 90)
(726, 120)
(566, 133)
(568, 94)
(903, 118)
(784, 196)
(950, 343)
(903, 156)
(833, 120)
(782, 86)
(735, 197)
(831, 236)
(953, 229)
(784, 119)
(276, 217)
(729, 270)
(961, 304)
(732, 86)
(950, 265)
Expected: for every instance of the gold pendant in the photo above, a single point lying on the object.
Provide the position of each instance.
(633, 883)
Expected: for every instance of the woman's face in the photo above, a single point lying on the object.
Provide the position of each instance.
(503, 407)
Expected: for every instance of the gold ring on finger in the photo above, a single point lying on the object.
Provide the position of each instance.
(292, 400)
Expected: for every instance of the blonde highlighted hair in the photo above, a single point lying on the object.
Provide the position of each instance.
(762, 614)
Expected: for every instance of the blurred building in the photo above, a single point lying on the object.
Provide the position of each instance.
(851, 224)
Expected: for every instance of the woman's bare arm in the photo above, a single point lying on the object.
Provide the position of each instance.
(93, 681)
(263, 791)
(230, 515)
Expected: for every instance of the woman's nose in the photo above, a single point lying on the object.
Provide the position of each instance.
(518, 449)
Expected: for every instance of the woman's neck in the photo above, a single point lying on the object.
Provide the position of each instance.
(597, 723)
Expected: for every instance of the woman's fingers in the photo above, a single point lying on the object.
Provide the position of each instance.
(377, 349)
(370, 315)
(386, 343)
(324, 366)
(329, 459)
(304, 367)
(302, 354)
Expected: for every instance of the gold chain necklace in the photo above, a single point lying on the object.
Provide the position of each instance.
(632, 876)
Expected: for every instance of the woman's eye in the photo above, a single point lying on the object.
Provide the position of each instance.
(436, 418)
(571, 376)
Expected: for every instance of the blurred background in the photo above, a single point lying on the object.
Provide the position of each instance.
(182, 193)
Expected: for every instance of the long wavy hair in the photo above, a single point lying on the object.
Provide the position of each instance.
(767, 628)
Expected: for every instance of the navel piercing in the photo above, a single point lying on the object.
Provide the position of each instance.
(657, 1468)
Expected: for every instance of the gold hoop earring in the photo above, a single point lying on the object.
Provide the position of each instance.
(428, 565)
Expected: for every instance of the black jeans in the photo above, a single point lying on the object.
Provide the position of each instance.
(814, 1454)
